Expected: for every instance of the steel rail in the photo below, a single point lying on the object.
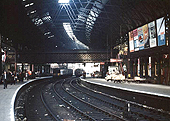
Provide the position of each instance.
(79, 111)
(137, 105)
(95, 107)
(47, 107)
(120, 107)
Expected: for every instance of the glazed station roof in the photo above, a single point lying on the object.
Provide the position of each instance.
(62, 25)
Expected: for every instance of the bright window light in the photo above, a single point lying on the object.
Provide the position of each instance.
(63, 1)
(70, 33)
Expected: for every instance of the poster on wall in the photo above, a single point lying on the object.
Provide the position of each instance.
(131, 42)
(145, 36)
(161, 31)
(136, 41)
(140, 37)
(152, 34)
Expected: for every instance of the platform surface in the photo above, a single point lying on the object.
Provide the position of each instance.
(154, 89)
(6, 96)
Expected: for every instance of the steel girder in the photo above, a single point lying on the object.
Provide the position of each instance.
(81, 57)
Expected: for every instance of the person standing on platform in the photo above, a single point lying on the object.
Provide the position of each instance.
(14, 77)
(5, 79)
(84, 74)
(9, 77)
(21, 77)
(26, 75)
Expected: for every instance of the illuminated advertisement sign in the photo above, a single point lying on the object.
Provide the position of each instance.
(131, 42)
(152, 34)
(160, 23)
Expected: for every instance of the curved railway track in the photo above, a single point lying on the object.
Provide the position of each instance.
(66, 99)
(34, 108)
(91, 111)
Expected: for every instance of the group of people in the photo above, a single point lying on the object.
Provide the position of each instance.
(11, 77)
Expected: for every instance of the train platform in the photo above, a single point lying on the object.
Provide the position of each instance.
(153, 89)
(7, 98)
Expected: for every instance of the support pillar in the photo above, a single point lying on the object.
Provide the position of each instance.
(146, 67)
(141, 67)
(22, 68)
(40, 68)
(131, 69)
(135, 67)
(32, 67)
(159, 72)
(152, 68)
(1, 56)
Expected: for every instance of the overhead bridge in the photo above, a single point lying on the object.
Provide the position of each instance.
(63, 57)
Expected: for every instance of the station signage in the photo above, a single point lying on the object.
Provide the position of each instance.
(166, 56)
(102, 63)
(116, 60)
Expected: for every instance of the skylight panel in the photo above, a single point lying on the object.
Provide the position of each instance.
(51, 36)
(63, 1)
(92, 13)
(31, 4)
(47, 33)
(27, 5)
(33, 12)
(70, 33)
(47, 18)
(37, 21)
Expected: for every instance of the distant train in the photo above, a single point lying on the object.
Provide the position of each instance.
(62, 72)
(79, 72)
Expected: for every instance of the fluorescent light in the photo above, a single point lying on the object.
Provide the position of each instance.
(63, 1)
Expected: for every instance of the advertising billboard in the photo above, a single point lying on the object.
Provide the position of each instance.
(136, 41)
(145, 36)
(140, 36)
(152, 34)
(160, 23)
(131, 42)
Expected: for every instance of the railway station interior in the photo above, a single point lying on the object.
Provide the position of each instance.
(118, 49)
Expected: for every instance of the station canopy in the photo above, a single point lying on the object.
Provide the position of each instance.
(62, 25)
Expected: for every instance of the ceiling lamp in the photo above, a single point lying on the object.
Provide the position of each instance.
(63, 1)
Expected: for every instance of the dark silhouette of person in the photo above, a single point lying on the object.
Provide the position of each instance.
(5, 79)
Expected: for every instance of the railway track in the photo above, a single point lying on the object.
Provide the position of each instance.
(34, 109)
(67, 99)
(58, 107)
(131, 110)
(91, 111)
